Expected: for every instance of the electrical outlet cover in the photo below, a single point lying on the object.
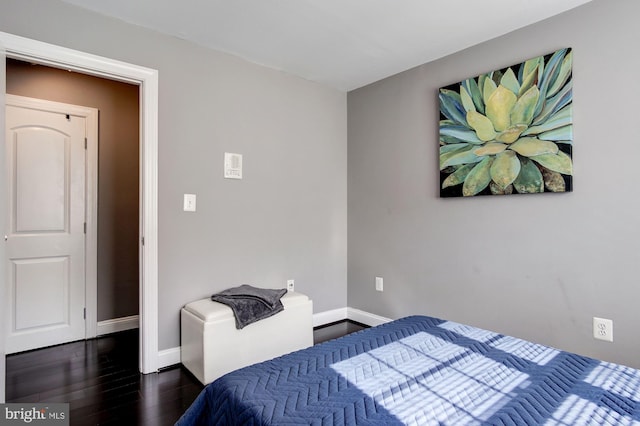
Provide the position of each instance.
(603, 329)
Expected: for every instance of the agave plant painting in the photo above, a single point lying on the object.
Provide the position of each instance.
(509, 131)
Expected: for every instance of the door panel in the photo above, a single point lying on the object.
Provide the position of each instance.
(45, 247)
(41, 197)
(41, 287)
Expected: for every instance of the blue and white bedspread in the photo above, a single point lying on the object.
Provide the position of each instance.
(423, 371)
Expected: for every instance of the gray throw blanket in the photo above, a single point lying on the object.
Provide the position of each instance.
(250, 304)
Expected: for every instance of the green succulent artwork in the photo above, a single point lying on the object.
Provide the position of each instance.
(509, 131)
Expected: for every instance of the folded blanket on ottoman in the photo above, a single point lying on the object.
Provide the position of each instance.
(250, 304)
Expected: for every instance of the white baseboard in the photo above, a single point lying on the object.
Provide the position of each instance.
(171, 356)
(327, 317)
(353, 314)
(366, 318)
(117, 324)
(168, 357)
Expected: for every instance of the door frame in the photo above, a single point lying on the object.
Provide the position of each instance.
(147, 79)
(91, 196)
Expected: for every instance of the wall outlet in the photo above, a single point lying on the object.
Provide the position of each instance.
(379, 284)
(291, 285)
(603, 329)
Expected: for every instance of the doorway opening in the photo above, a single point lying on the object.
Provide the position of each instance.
(147, 81)
(111, 196)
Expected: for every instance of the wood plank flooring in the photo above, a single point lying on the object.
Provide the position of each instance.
(99, 379)
(335, 329)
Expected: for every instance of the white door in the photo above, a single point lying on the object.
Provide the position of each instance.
(45, 244)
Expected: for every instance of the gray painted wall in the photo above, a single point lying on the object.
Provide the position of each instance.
(286, 219)
(118, 165)
(535, 266)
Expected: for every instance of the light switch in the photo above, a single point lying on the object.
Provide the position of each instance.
(189, 202)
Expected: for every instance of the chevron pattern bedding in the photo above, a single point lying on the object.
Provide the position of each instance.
(423, 371)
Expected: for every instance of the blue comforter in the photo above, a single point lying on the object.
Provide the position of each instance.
(423, 371)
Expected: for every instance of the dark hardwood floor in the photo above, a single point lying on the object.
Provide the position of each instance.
(335, 329)
(99, 379)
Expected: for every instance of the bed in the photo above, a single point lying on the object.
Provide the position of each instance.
(420, 370)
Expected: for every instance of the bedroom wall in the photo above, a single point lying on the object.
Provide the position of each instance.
(286, 219)
(118, 166)
(534, 266)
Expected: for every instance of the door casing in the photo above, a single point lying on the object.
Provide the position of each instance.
(3, 207)
(147, 79)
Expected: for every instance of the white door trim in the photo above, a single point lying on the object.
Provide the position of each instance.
(91, 197)
(147, 79)
(3, 211)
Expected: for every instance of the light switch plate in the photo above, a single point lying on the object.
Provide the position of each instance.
(189, 202)
(379, 284)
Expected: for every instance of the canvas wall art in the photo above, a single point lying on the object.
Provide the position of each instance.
(509, 131)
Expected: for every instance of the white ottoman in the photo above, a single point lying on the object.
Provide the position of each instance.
(211, 346)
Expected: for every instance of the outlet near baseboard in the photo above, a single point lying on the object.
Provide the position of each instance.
(603, 329)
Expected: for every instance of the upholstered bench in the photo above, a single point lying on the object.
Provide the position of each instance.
(211, 346)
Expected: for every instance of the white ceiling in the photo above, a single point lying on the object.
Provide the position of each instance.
(345, 44)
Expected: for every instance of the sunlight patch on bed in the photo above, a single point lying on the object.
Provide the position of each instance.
(467, 331)
(523, 349)
(579, 411)
(618, 379)
(529, 351)
(424, 378)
